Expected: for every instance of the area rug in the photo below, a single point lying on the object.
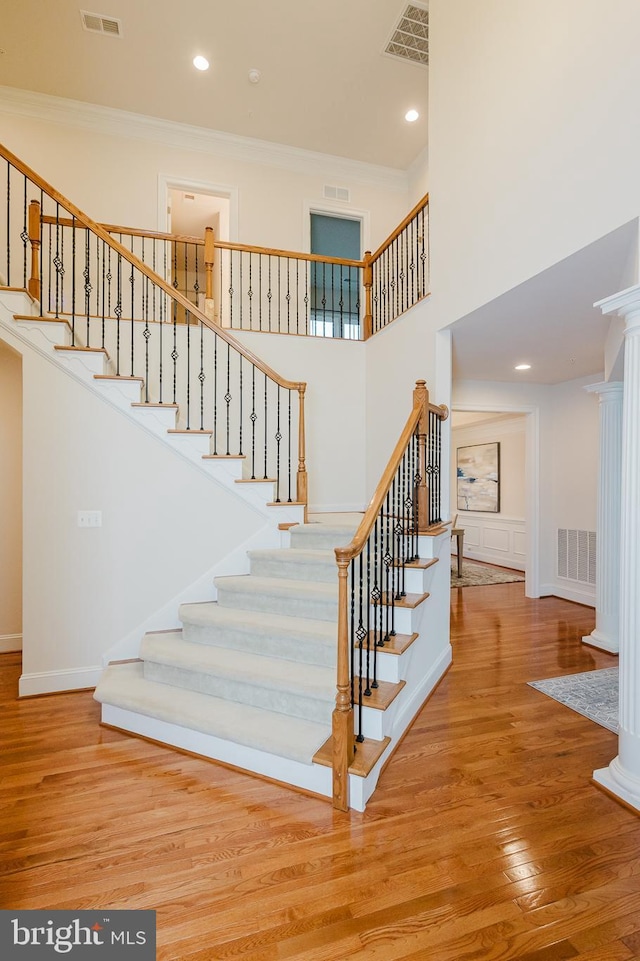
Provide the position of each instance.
(479, 575)
(592, 693)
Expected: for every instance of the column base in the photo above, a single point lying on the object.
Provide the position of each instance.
(616, 782)
(603, 641)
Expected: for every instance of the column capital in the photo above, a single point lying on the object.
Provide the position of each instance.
(625, 304)
(606, 390)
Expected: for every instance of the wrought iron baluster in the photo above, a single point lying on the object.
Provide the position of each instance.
(231, 253)
(8, 243)
(24, 235)
(269, 292)
(132, 284)
(356, 661)
(215, 394)
(240, 412)
(227, 396)
(278, 439)
(240, 258)
(289, 443)
(188, 382)
(253, 419)
(265, 427)
(118, 310)
(86, 273)
(288, 297)
(250, 291)
(201, 375)
(146, 333)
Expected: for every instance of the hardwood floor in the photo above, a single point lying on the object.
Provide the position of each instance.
(485, 840)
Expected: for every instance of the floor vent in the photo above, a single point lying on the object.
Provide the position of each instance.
(410, 38)
(336, 193)
(97, 23)
(577, 555)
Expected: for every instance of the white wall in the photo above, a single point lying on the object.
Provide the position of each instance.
(498, 538)
(164, 524)
(108, 162)
(561, 467)
(335, 412)
(10, 499)
(534, 151)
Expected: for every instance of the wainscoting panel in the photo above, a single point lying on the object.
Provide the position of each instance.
(494, 539)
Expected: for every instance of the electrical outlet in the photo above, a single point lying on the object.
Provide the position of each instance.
(89, 518)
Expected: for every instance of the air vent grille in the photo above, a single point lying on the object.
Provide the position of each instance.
(97, 23)
(410, 38)
(336, 193)
(577, 555)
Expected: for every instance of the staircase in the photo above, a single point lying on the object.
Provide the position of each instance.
(250, 679)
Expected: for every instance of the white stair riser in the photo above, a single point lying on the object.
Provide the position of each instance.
(309, 777)
(84, 364)
(270, 699)
(306, 540)
(282, 566)
(120, 393)
(46, 332)
(296, 606)
(310, 651)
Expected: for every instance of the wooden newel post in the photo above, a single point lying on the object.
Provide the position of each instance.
(209, 261)
(367, 280)
(302, 493)
(421, 399)
(342, 721)
(35, 236)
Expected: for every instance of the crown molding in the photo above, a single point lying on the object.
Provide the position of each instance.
(108, 120)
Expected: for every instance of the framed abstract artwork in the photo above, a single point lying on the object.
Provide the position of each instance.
(478, 474)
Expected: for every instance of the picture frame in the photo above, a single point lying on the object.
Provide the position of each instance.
(478, 478)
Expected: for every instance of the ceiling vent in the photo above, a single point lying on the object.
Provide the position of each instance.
(97, 23)
(410, 38)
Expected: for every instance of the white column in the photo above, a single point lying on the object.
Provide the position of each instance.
(622, 777)
(606, 633)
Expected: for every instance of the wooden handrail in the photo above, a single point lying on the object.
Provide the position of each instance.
(343, 714)
(104, 235)
(401, 226)
(417, 417)
(220, 244)
(129, 231)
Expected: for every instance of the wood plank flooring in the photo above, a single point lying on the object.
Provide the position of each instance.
(486, 838)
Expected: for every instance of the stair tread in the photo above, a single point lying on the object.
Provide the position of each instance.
(255, 669)
(368, 753)
(125, 687)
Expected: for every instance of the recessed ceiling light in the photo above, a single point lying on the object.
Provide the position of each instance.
(523, 367)
(201, 63)
(411, 116)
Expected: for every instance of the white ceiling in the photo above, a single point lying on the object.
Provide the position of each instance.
(325, 83)
(549, 321)
(325, 86)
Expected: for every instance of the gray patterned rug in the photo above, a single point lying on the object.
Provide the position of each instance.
(592, 693)
(479, 575)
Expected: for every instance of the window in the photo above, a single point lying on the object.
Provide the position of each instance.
(335, 288)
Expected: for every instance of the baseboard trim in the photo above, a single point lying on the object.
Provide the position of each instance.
(513, 563)
(10, 643)
(55, 682)
(569, 594)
